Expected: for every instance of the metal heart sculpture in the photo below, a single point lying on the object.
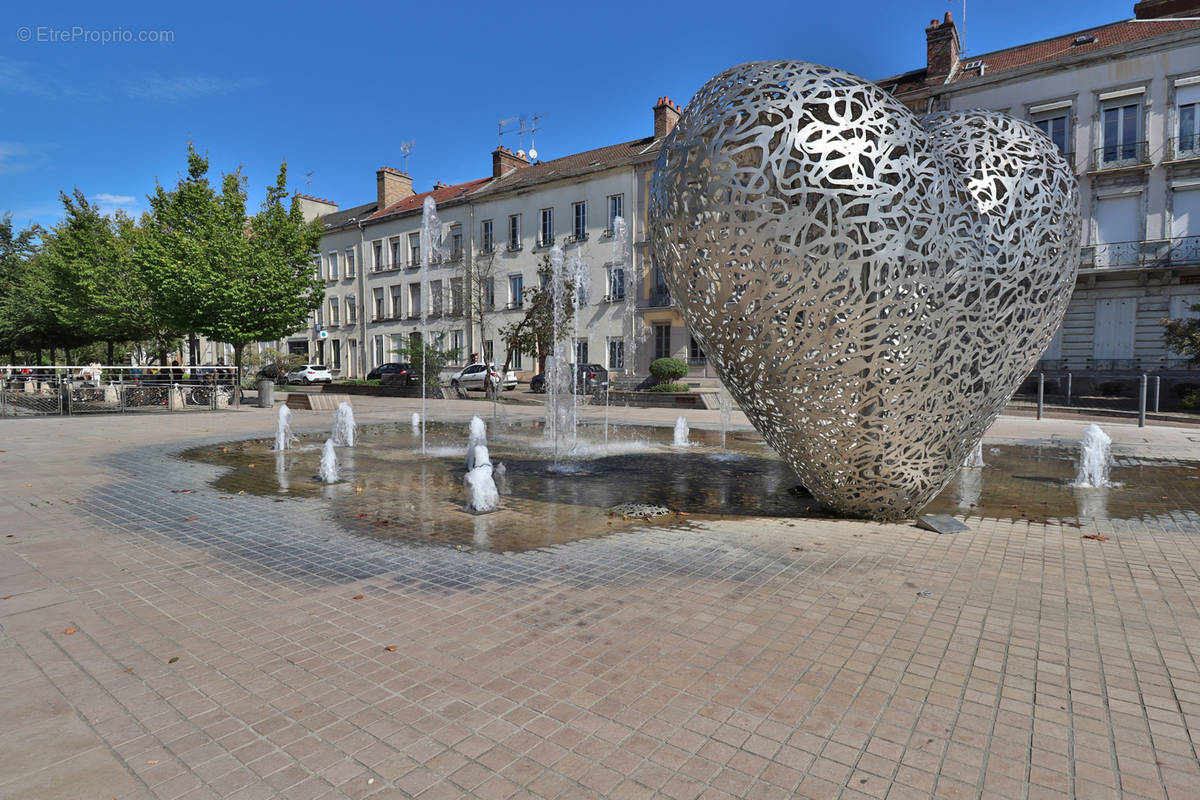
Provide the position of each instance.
(871, 286)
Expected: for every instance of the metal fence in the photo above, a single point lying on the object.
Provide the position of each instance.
(29, 391)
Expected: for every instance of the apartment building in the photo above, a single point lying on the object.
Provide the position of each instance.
(1121, 102)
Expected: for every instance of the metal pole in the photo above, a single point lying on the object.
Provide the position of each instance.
(1041, 393)
(1068, 388)
(1157, 389)
(1142, 403)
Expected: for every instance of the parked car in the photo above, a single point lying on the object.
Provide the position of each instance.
(309, 373)
(589, 378)
(473, 377)
(404, 372)
(271, 372)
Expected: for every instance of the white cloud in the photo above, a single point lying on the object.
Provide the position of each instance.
(187, 87)
(114, 199)
(109, 204)
(19, 79)
(16, 158)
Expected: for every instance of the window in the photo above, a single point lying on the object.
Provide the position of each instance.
(488, 240)
(378, 249)
(397, 294)
(516, 359)
(489, 294)
(1187, 101)
(349, 262)
(337, 354)
(320, 351)
(489, 352)
(456, 345)
(414, 249)
(351, 309)
(514, 232)
(377, 357)
(414, 301)
(547, 237)
(662, 341)
(435, 298)
(334, 315)
(581, 351)
(333, 267)
(616, 208)
(398, 343)
(396, 259)
(695, 353)
(1120, 131)
(579, 213)
(380, 306)
(320, 315)
(456, 296)
(317, 265)
(456, 243)
(351, 357)
(516, 291)
(616, 353)
(1056, 128)
(616, 283)
(660, 295)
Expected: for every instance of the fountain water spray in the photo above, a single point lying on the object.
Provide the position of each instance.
(725, 404)
(329, 463)
(1095, 459)
(416, 423)
(344, 431)
(558, 378)
(622, 259)
(578, 271)
(284, 438)
(681, 432)
(477, 436)
(431, 245)
(482, 495)
(974, 459)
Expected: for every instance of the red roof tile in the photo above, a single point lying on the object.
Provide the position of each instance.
(588, 160)
(1117, 33)
(441, 194)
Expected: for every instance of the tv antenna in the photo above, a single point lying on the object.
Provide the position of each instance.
(405, 150)
(308, 179)
(531, 127)
(501, 130)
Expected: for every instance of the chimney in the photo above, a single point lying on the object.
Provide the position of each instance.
(505, 161)
(1159, 9)
(392, 185)
(666, 114)
(941, 50)
(313, 207)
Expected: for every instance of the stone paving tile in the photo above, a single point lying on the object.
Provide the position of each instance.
(715, 661)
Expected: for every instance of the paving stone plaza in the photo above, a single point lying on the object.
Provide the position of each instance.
(160, 638)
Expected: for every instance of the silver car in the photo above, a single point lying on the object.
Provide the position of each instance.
(475, 376)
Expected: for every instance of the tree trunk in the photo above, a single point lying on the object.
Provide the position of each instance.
(237, 374)
(67, 356)
(162, 355)
(110, 352)
(53, 356)
(39, 357)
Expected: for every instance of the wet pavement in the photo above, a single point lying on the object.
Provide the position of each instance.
(164, 635)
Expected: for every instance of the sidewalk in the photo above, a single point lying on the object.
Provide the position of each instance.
(158, 640)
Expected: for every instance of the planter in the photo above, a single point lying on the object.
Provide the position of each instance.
(680, 400)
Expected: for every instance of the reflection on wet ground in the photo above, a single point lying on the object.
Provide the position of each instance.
(389, 490)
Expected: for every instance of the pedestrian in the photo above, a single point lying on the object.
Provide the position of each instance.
(176, 372)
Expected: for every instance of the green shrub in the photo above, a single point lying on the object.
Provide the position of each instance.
(1190, 400)
(666, 370)
(671, 387)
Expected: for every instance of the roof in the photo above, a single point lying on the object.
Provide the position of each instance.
(1111, 35)
(588, 161)
(440, 195)
(338, 219)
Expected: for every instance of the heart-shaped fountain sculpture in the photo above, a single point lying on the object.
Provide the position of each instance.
(871, 286)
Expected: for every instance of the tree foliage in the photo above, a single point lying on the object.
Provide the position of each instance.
(1183, 336)
(22, 295)
(535, 332)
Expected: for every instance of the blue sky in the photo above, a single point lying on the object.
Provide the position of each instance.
(336, 89)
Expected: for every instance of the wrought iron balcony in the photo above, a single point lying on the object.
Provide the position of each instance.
(1184, 147)
(1147, 253)
(697, 361)
(387, 266)
(579, 236)
(545, 241)
(514, 247)
(1116, 156)
(660, 297)
(487, 249)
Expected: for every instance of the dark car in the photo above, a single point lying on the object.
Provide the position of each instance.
(402, 373)
(589, 378)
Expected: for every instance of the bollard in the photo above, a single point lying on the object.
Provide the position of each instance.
(1157, 389)
(1041, 393)
(1068, 388)
(1142, 403)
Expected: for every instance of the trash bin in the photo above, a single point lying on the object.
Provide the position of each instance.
(266, 394)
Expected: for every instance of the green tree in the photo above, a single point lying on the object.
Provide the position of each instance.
(535, 332)
(234, 279)
(17, 251)
(1183, 336)
(426, 359)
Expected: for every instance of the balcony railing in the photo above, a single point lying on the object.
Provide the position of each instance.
(387, 266)
(514, 247)
(1148, 253)
(515, 304)
(579, 236)
(660, 297)
(545, 241)
(1115, 156)
(1182, 147)
(487, 249)
(697, 361)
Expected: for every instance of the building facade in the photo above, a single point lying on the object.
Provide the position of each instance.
(1121, 101)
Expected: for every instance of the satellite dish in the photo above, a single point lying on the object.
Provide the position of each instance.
(532, 153)
(521, 153)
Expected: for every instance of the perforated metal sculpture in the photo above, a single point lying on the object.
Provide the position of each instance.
(870, 286)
